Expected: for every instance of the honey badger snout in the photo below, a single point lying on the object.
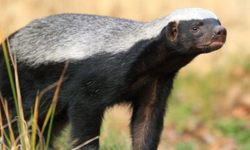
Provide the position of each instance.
(220, 34)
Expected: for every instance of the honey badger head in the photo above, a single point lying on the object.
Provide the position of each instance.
(195, 30)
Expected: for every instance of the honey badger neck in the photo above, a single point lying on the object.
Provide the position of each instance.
(157, 56)
(154, 58)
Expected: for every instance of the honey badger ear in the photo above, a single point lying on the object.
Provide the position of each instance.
(172, 31)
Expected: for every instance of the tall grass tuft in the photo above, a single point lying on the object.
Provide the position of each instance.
(17, 98)
(27, 137)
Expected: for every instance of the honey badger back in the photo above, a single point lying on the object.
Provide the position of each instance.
(111, 61)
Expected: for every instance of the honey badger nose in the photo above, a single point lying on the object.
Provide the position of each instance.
(220, 31)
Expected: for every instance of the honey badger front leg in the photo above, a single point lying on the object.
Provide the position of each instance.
(148, 112)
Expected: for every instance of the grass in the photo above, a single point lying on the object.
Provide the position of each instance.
(17, 100)
(237, 129)
(27, 141)
(26, 136)
(185, 146)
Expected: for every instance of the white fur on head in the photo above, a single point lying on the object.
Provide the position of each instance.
(190, 14)
(153, 28)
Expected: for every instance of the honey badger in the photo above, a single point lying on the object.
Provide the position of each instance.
(111, 61)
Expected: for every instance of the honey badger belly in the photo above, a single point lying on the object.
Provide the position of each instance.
(111, 60)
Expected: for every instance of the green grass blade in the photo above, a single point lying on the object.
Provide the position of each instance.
(54, 102)
(6, 57)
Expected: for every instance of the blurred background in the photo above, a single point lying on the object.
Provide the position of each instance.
(210, 105)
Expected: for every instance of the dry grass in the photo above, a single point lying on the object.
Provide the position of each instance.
(23, 139)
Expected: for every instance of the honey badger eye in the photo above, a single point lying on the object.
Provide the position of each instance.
(195, 28)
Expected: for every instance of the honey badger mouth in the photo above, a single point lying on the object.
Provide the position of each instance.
(216, 45)
(213, 46)
(217, 41)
